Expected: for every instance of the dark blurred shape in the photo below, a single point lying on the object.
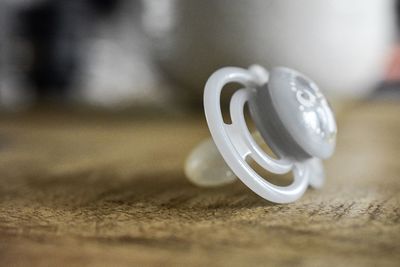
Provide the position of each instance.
(54, 42)
(105, 7)
(56, 31)
(398, 14)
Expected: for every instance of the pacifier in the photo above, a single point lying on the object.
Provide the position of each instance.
(292, 117)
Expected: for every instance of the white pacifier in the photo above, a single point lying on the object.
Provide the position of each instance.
(292, 117)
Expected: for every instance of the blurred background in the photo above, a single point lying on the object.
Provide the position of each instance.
(101, 104)
(118, 54)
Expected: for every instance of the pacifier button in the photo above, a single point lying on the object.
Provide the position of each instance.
(303, 111)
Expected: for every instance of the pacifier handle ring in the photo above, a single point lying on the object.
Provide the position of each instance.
(238, 100)
(224, 135)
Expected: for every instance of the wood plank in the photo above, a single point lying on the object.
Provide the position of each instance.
(90, 190)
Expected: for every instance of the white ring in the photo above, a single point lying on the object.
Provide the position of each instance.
(234, 148)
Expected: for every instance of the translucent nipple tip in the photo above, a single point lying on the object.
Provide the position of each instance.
(206, 167)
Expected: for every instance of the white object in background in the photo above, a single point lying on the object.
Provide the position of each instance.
(118, 71)
(342, 44)
(293, 118)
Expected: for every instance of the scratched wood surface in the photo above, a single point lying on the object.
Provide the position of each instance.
(99, 190)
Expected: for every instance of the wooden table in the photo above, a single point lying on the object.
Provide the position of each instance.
(103, 190)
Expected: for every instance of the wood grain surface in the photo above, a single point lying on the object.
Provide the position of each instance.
(94, 190)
